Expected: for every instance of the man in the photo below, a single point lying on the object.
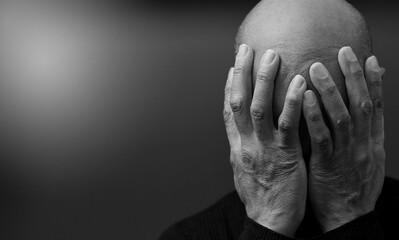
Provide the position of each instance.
(305, 127)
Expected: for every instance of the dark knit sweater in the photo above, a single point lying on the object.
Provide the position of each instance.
(226, 219)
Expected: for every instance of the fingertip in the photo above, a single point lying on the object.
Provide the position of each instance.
(344, 49)
(316, 64)
(309, 98)
(298, 82)
(269, 57)
(269, 64)
(293, 100)
(244, 60)
(341, 52)
(347, 53)
(298, 76)
(307, 92)
(242, 51)
(342, 59)
(318, 71)
(372, 64)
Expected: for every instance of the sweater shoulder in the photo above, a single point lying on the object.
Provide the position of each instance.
(218, 221)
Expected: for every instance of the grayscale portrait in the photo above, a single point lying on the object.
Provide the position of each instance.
(200, 119)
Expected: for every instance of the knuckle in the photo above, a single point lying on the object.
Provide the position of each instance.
(227, 114)
(322, 140)
(233, 159)
(315, 117)
(330, 91)
(343, 121)
(246, 157)
(284, 126)
(237, 104)
(378, 142)
(375, 77)
(233, 164)
(257, 113)
(285, 140)
(378, 110)
(291, 101)
(375, 82)
(238, 69)
(377, 101)
(357, 71)
(366, 108)
(262, 76)
(227, 91)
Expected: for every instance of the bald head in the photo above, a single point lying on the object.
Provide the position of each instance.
(303, 32)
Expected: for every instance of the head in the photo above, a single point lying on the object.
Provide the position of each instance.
(303, 32)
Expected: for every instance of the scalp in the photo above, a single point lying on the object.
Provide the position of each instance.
(303, 32)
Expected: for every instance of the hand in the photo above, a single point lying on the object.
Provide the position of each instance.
(346, 169)
(269, 170)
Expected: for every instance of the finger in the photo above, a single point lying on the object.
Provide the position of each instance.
(241, 90)
(231, 128)
(334, 105)
(261, 107)
(288, 121)
(318, 131)
(360, 105)
(374, 80)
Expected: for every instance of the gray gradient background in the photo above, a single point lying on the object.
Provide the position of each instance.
(111, 113)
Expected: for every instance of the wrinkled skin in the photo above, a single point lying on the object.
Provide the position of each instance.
(269, 170)
(346, 170)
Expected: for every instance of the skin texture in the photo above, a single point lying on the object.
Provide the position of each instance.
(346, 173)
(269, 170)
(270, 145)
(303, 32)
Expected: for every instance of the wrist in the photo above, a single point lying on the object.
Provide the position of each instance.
(337, 220)
(285, 223)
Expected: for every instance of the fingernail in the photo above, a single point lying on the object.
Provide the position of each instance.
(350, 55)
(310, 99)
(374, 64)
(268, 57)
(298, 81)
(242, 50)
(320, 71)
